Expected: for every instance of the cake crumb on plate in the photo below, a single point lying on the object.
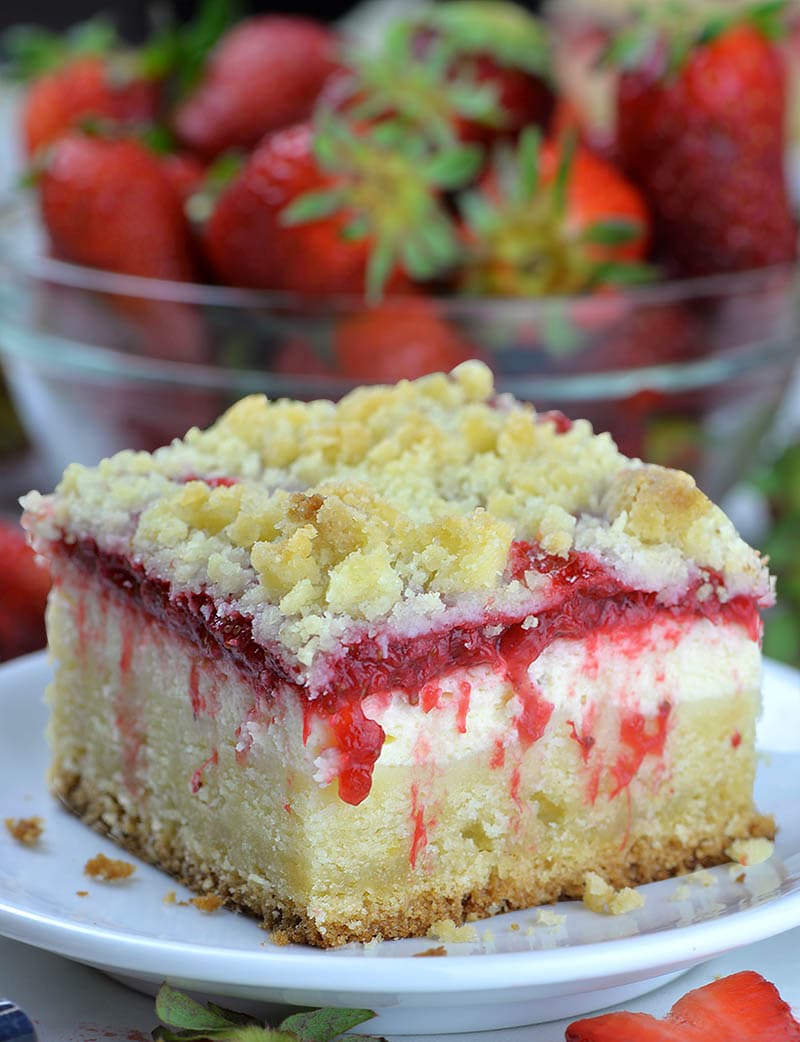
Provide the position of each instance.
(547, 917)
(27, 831)
(207, 903)
(446, 930)
(750, 851)
(108, 869)
(600, 896)
(440, 950)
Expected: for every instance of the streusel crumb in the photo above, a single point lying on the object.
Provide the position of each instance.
(446, 930)
(600, 896)
(398, 503)
(750, 851)
(108, 869)
(27, 831)
(207, 903)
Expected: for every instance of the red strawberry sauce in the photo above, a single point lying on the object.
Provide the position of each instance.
(585, 599)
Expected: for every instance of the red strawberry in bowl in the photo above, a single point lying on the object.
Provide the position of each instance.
(505, 48)
(333, 210)
(701, 128)
(472, 70)
(24, 584)
(86, 88)
(84, 74)
(552, 221)
(107, 203)
(399, 339)
(264, 74)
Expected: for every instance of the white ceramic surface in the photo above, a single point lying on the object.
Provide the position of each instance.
(515, 971)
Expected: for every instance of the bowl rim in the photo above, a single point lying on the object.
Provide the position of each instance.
(39, 266)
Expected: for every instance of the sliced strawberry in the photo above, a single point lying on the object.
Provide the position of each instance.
(628, 1027)
(399, 339)
(743, 1007)
(264, 74)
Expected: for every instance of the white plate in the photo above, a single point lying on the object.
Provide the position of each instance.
(516, 971)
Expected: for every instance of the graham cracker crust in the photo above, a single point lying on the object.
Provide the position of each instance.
(288, 922)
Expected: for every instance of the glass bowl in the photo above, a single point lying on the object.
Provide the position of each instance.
(684, 373)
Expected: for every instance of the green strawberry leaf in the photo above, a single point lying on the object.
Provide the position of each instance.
(612, 231)
(453, 168)
(313, 206)
(622, 273)
(324, 1025)
(31, 51)
(504, 31)
(177, 1010)
(528, 155)
(233, 1016)
(379, 268)
(217, 1024)
(181, 52)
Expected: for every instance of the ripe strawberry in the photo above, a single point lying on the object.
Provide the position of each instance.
(472, 71)
(24, 585)
(549, 221)
(107, 203)
(327, 212)
(400, 339)
(89, 87)
(701, 129)
(264, 74)
(248, 245)
(503, 47)
(742, 1007)
(185, 172)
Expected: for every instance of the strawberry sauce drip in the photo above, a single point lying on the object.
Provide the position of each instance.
(211, 482)
(583, 599)
(419, 838)
(196, 783)
(639, 737)
(127, 719)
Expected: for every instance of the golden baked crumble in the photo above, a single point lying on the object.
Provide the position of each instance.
(398, 502)
(27, 831)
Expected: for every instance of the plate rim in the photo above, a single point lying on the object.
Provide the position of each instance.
(644, 955)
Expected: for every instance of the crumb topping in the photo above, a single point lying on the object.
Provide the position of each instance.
(752, 851)
(397, 503)
(600, 896)
(27, 831)
(446, 930)
(207, 902)
(109, 870)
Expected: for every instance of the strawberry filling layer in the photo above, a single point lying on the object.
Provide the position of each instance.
(584, 599)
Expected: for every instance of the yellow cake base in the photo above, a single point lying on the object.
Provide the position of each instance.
(147, 747)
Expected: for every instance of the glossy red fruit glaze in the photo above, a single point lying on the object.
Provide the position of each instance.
(211, 482)
(639, 738)
(197, 781)
(585, 599)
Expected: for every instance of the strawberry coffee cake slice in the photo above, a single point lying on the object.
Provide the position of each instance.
(421, 654)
